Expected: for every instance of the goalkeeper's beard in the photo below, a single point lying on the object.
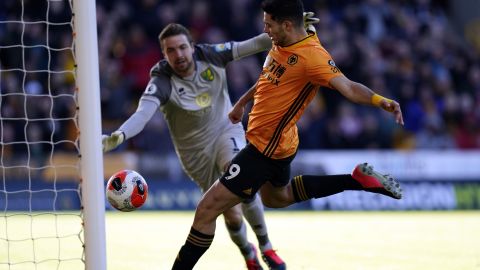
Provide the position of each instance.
(183, 67)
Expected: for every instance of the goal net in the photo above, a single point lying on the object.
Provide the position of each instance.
(48, 89)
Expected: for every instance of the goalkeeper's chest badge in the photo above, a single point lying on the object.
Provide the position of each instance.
(203, 100)
(207, 75)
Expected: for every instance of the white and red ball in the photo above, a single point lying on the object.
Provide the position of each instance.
(127, 190)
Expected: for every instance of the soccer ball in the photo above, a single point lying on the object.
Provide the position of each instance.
(127, 190)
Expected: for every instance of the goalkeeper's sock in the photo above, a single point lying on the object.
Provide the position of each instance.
(306, 187)
(253, 212)
(195, 245)
(239, 237)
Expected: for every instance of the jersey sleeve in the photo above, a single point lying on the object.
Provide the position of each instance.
(159, 87)
(251, 46)
(218, 54)
(137, 121)
(321, 68)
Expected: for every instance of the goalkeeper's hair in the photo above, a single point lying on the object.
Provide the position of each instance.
(282, 10)
(174, 29)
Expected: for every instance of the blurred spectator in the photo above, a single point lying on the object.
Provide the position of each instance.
(407, 50)
(140, 55)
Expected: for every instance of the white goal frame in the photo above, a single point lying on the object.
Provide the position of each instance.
(88, 83)
(35, 231)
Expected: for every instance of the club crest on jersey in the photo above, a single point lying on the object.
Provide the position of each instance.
(222, 47)
(151, 89)
(292, 59)
(207, 75)
(203, 100)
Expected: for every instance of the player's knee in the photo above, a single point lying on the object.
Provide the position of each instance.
(211, 206)
(268, 203)
(276, 198)
(233, 218)
(249, 201)
(233, 224)
(205, 211)
(272, 202)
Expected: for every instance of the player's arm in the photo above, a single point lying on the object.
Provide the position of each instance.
(236, 114)
(262, 42)
(251, 46)
(359, 93)
(134, 125)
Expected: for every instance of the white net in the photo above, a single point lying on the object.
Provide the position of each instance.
(40, 203)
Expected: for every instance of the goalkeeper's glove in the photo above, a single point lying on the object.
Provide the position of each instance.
(112, 141)
(309, 20)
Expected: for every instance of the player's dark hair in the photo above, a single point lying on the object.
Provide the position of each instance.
(175, 29)
(282, 10)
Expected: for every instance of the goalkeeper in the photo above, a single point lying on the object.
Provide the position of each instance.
(190, 88)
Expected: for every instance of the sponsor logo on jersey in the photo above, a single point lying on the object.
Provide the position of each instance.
(181, 91)
(334, 67)
(292, 59)
(222, 47)
(207, 75)
(247, 191)
(273, 71)
(203, 100)
(151, 89)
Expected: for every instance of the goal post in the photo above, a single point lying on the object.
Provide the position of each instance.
(52, 196)
(88, 88)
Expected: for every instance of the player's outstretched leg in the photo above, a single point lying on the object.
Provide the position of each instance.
(253, 263)
(374, 181)
(253, 212)
(238, 233)
(273, 261)
(214, 202)
(363, 177)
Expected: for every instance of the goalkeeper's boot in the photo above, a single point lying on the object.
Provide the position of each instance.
(376, 182)
(273, 261)
(253, 263)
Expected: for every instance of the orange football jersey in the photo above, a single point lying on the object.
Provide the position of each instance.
(289, 80)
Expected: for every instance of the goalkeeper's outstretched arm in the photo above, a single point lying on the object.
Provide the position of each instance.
(134, 125)
(262, 42)
(251, 46)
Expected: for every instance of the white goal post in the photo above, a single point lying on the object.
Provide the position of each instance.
(93, 200)
(52, 196)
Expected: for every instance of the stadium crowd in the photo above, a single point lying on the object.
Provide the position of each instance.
(405, 50)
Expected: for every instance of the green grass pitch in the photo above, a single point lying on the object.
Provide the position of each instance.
(306, 240)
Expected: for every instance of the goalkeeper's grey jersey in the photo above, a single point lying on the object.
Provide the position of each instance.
(195, 110)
